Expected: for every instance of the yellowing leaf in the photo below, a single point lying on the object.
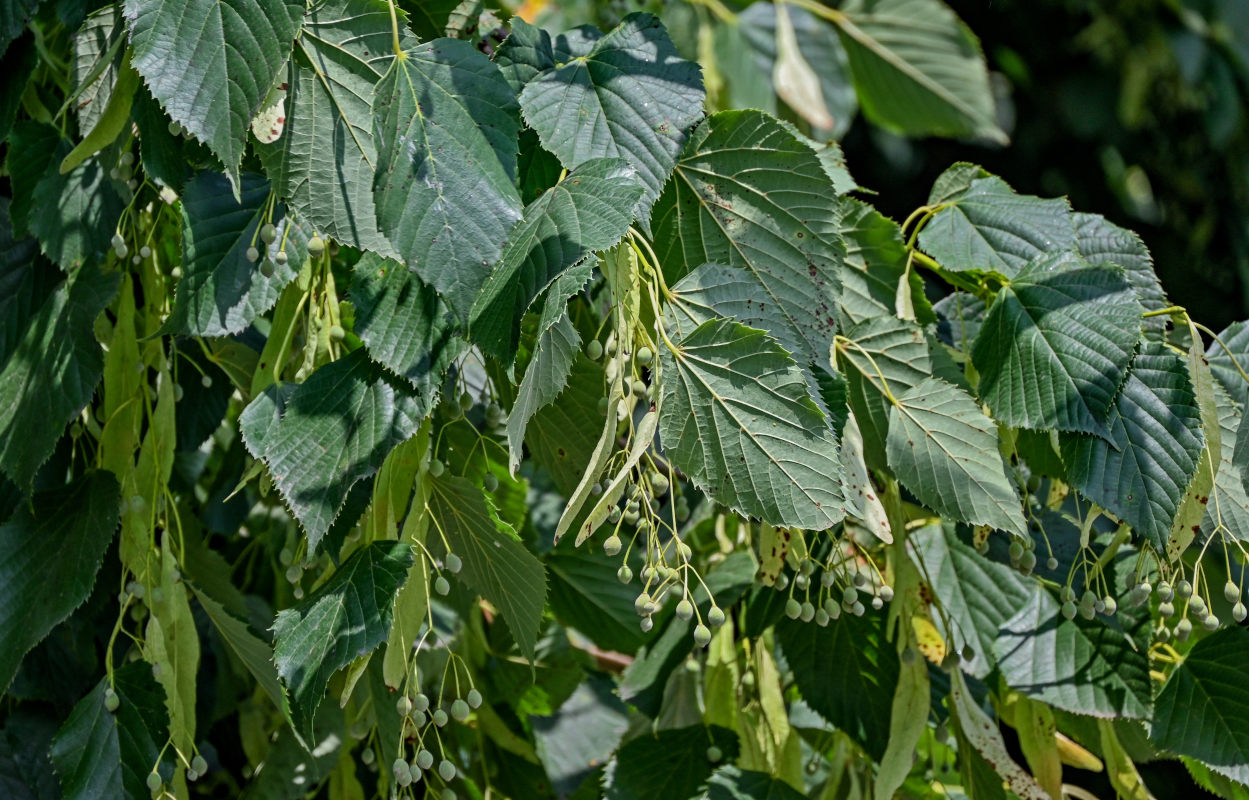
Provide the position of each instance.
(928, 639)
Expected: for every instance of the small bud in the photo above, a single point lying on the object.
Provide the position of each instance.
(442, 586)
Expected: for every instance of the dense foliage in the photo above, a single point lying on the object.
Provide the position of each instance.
(412, 400)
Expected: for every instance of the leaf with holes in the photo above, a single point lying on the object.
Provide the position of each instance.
(211, 62)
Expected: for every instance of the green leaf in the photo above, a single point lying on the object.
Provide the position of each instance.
(1228, 506)
(344, 619)
(731, 783)
(581, 734)
(252, 651)
(672, 763)
(33, 149)
(989, 228)
(1081, 666)
(1141, 470)
(749, 195)
(14, 14)
(591, 209)
(25, 770)
(210, 63)
(736, 418)
(94, 45)
(320, 437)
(888, 347)
(945, 451)
(74, 215)
(977, 595)
(917, 69)
(858, 695)
(875, 260)
(818, 45)
(52, 372)
(50, 552)
(962, 316)
(496, 565)
(445, 128)
(16, 65)
(562, 436)
(1202, 710)
(26, 281)
(324, 161)
(1236, 337)
(1056, 345)
(98, 753)
(405, 325)
(629, 96)
(221, 292)
(587, 596)
(555, 352)
(1241, 453)
(1103, 242)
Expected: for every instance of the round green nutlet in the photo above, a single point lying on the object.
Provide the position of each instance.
(685, 609)
(337, 334)
(646, 624)
(253, 255)
(368, 756)
(1183, 588)
(793, 608)
(154, 781)
(453, 563)
(594, 350)
(642, 601)
(714, 754)
(420, 702)
(1211, 622)
(886, 593)
(192, 775)
(1197, 605)
(474, 698)
(639, 389)
(1051, 563)
(446, 770)
(266, 269)
(877, 603)
(436, 467)
(145, 252)
(1183, 629)
(781, 582)
(316, 246)
(1165, 592)
(849, 595)
(1231, 592)
(644, 356)
(1069, 610)
(702, 635)
(415, 773)
(111, 701)
(801, 582)
(490, 483)
(424, 759)
(460, 710)
(821, 617)
(466, 401)
(117, 241)
(399, 767)
(1016, 550)
(1239, 612)
(294, 573)
(268, 233)
(1027, 562)
(715, 617)
(808, 611)
(442, 586)
(403, 705)
(440, 717)
(448, 794)
(612, 545)
(832, 608)
(1111, 606)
